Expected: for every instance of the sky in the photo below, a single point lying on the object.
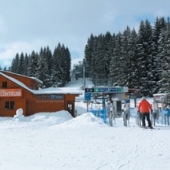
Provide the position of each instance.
(29, 25)
(57, 141)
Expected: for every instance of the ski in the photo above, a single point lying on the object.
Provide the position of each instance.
(150, 128)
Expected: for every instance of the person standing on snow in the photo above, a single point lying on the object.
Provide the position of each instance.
(144, 108)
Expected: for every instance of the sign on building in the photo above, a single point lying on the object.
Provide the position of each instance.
(10, 92)
(107, 90)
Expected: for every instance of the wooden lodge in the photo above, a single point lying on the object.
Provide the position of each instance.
(18, 91)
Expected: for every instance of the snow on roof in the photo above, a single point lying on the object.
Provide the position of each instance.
(51, 90)
(34, 78)
(16, 81)
(37, 80)
(61, 90)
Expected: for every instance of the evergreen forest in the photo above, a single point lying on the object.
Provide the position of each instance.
(138, 60)
(53, 69)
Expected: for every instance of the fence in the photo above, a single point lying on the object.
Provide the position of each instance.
(163, 118)
(99, 113)
(164, 115)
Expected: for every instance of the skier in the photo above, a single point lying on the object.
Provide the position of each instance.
(126, 115)
(144, 108)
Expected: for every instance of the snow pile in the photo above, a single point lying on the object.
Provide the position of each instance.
(86, 119)
(50, 118)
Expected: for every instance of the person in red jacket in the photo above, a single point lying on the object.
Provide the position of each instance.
(144, 108)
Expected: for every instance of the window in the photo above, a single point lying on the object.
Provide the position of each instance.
(9, 105)
(4, 84)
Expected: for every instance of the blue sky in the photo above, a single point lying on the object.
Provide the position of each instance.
(27, 25)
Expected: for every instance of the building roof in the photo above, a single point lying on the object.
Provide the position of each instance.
(52, 90)
(33, 78)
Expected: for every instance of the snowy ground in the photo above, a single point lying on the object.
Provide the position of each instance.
(56, 141)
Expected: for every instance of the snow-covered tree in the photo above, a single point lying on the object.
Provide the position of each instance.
(21, 66)
(144, 58)
(157, 48)
(26, 60)
(116, 63)
(165, 61)
(15, 64)
(33, 64)
(42, 68)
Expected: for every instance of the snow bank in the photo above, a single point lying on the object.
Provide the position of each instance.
(86, 119)
(43, 118)
(51, 117)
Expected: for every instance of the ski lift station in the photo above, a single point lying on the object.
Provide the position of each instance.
(112, 96)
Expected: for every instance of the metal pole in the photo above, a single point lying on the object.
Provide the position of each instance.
(84, 83)
(84, 64)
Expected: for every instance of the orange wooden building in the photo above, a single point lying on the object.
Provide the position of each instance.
(18, 91)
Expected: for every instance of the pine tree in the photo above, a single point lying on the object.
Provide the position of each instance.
(144, 58)
(89, 49)
(68, 64)
(15, 64)
(33, 64)
(42, 68)
(104, 53)
(91, 56)
(21, 64)
(165, 59)
(26, 60)
(126, 57)
(56, 71)
(149, 62)
(116, 61)
(132, 78)
(157, 47)
(49, 60)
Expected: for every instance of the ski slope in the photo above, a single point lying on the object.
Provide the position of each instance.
(57, 141)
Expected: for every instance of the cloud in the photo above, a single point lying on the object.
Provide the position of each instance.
(9, 51)
(29, 25)
(2, 26)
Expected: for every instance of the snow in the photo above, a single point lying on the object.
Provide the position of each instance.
(57, 141)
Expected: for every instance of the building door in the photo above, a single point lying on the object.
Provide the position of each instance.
(70, 107)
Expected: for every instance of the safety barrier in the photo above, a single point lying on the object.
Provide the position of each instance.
(99, 113)
(133, 112)
(164, 116)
